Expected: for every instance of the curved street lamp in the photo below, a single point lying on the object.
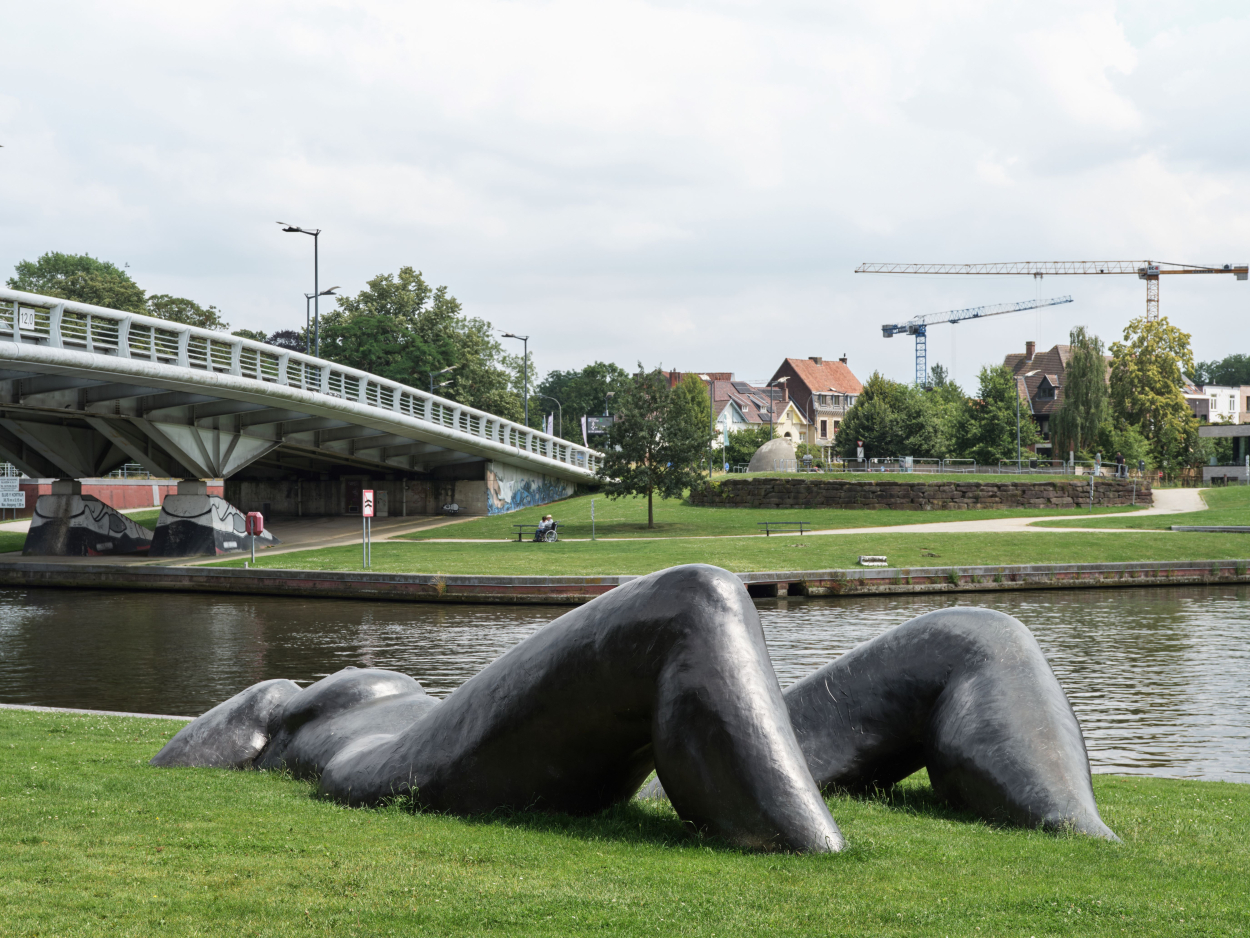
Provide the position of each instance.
(315, 232)
(435, 374)
(525, 370)
(560, 432)
(308, 298)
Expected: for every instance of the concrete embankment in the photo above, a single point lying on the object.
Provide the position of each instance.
(572, 590)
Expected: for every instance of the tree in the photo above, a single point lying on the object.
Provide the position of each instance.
(79, 277)
(700, 406)
(582, 393)
(1147, 376)
(401, 328)
(987, 428)
(742, 444)
(256, 335)
(288, 339)
(893, 419)
(1230, 371)
(188, 312)
(1085, 406)
(653, 446)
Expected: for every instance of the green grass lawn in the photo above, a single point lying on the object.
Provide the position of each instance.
(627, 517)
(147, 518)
(1229, 505)
(832, 551)
(95, 841)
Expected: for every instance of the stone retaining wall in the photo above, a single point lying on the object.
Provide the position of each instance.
(916, 495)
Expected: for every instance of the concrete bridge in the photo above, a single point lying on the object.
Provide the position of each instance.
(84, 390)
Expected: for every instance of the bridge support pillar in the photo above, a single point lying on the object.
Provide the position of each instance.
(194, 523)
(68, 523)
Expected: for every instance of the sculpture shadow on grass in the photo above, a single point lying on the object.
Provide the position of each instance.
(670, 672)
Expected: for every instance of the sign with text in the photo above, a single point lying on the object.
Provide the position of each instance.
(9, 483)
(366, 503)
(597, 425)
(12, 499)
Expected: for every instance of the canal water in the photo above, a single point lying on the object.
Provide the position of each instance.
(1158, 677)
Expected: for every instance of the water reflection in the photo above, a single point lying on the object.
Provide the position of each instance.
(1157, 677)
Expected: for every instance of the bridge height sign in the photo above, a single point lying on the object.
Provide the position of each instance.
(366, 519)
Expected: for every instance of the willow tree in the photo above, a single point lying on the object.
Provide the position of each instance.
(1086, 402)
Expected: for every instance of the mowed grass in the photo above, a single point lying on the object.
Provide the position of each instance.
(788, 552)
(95, 841)
(627, 517)
(1230, 505)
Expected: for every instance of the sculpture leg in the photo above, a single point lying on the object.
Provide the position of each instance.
(670, 670)
(966, 693)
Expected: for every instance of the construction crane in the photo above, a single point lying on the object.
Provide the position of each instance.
(1150, 271)
(919, 326)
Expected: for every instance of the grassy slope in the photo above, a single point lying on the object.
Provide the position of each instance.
(627, 517)
(508, 558)
(94, 841)
(1229, 505)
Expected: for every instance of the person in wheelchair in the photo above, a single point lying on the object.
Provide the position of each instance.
(546, 530)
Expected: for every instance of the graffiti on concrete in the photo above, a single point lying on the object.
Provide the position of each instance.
(509, 488)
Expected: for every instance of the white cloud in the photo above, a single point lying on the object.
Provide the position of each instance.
(690, 183)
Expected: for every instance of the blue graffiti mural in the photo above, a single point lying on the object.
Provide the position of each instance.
(521, 490)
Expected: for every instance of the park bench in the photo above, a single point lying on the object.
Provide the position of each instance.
(522, 529)
(770, 526)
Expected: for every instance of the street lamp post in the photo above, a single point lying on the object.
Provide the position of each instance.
(316, 233)
(560, 432)
(435, 374)
(308, 298)
(525, 370)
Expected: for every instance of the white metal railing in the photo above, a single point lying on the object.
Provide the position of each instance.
(44, 320)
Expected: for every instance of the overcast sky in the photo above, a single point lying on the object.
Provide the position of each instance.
(686, 184)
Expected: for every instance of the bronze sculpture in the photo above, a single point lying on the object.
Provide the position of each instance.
(670, 672)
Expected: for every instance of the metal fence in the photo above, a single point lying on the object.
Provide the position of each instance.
(64, 324)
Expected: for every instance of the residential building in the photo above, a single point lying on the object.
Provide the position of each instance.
(1216, 403)
(822, 391)
(1039, 385)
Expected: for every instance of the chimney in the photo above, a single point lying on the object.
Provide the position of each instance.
(1029, 349)
(843, 358)
(817, 359)
(785, 393)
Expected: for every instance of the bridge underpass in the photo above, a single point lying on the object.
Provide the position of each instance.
(85, 390)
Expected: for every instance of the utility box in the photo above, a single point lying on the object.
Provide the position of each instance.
(255, 523)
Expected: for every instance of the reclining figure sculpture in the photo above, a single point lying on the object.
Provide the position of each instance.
(670, 672)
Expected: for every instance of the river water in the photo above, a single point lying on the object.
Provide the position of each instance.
(1158, 677)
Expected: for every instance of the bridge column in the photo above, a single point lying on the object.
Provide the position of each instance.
(68, 523)
(194, 523)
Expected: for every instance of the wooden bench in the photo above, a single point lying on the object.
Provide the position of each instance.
(769, 526)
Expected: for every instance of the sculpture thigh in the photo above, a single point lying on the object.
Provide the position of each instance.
(968, 694)
(668, 671)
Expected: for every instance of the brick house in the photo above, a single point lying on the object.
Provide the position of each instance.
(822, 391)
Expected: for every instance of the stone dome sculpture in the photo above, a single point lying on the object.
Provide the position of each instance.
(765, 458)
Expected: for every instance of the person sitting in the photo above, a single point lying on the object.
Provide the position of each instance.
(543, 527)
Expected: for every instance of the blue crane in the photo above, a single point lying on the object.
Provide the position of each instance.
(919, 326)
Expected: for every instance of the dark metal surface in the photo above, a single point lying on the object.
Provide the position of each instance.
(965, 693)
(667, 672)
(670, 672)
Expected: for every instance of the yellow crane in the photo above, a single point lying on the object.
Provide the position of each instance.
(1150, 271)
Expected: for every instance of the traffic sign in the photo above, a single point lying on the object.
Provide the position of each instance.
(12, 499)
(366, 503)
(9, 483)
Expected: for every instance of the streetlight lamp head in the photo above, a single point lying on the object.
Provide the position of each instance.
(330, 291)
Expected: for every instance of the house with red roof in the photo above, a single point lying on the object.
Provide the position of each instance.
(822, 390)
